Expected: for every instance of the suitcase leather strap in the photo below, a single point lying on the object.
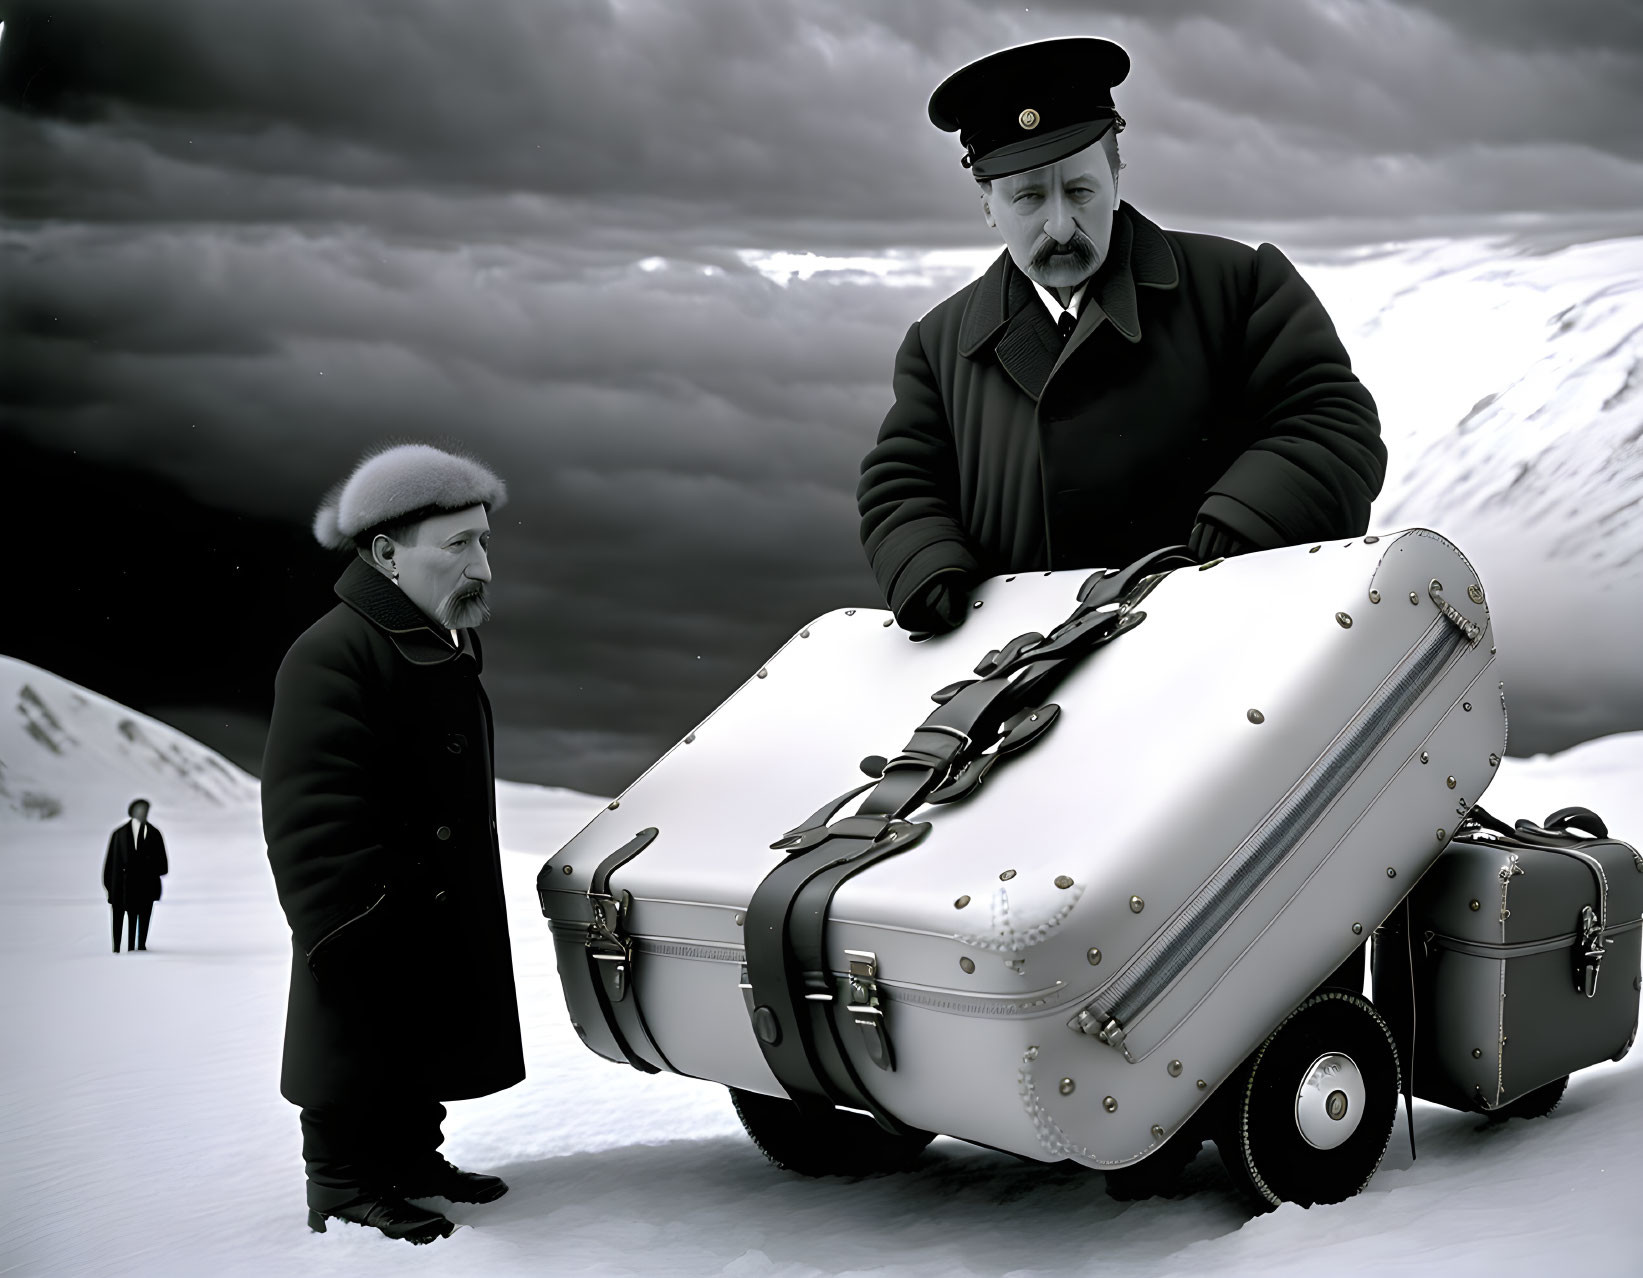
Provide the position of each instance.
(609, 951)
(976, 722)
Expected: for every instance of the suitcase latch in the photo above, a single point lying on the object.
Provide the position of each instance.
(1589, 954)
(608, 944)
(866, 1008)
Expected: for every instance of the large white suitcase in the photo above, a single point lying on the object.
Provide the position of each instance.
(1067, 963)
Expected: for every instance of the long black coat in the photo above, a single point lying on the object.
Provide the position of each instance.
(379, 808)
(131, 873)
(1204, 378)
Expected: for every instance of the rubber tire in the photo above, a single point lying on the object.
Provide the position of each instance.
(1159, 1174)
(1536, 1104)
(840, 1143)
(1265, 1154)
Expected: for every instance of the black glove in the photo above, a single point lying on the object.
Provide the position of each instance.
(939, 607)
(1211, 540)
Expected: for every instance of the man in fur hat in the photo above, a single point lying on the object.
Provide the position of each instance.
(1106, 388)
(379, 808)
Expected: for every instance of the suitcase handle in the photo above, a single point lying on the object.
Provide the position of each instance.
(1581, 818)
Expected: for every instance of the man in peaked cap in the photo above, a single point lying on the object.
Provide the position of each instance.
(1106, 388)
(379, 808)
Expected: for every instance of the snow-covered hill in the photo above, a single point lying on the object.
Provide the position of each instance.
(67, 752)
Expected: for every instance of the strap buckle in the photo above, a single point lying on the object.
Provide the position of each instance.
(608, 942)
(866, 1008)
(1589, 953)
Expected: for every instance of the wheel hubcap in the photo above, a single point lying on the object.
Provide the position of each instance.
(1329, 1101)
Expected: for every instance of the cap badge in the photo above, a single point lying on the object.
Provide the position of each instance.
(1028, 119)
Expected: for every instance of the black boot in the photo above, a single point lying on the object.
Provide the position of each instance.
(439, 1179)
(395, 1217)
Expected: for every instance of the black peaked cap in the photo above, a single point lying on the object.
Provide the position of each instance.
(1031, 105)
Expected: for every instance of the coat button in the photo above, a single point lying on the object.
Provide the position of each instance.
(444, 832)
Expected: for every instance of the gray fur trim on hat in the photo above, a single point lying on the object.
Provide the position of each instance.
(399, 480)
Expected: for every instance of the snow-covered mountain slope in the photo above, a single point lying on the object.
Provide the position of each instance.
(67, 752)
(1510, 384)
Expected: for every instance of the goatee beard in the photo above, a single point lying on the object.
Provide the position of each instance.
(465, 608)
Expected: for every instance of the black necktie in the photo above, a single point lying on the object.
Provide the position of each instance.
(1066, 324)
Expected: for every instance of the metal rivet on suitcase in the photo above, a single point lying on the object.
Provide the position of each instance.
(1477, 1053)
(1370, 540)
(1314, 550)
(1109, 1104)
(1007, 875)
(1357, 929)
(740, 918)
(1414, 598)
(1094, 956)
(977, 603)
(1032, 1053)
(690, 739)
(1157, 1132)
(1202, 1084)
(614, 804)
(567, 869)
(1137, 905)
(961, 902)
(1067, 1086)
(1391, 872)
(888, 622)
(1062, 881)
(1374, 596)
(1494, 761)
(968, 964)
(1443, 836)
(1474, 592)
(1175, 1069)
(1345, 619)
(1474, 905)
(849, 612)
(1451, 783)
(764, 674)
(805, 633)
(1425, 758)
(1255, 716)
(1466, 705)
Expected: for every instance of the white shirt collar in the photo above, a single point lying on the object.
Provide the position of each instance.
(1075, 304)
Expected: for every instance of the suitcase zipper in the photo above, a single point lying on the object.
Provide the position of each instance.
(1518, 949)
(1171, 950)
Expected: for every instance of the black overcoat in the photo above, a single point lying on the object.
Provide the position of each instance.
(379, 809)
(131, 872)
(1204, 378)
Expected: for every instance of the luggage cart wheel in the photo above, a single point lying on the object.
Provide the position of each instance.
(839, 1143)
(1308, 1116)
(1536, 1104)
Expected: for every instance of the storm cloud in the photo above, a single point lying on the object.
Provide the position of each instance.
(242, 242)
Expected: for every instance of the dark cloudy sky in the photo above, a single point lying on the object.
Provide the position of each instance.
(243, 241)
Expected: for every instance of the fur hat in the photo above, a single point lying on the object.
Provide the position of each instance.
(400, 480)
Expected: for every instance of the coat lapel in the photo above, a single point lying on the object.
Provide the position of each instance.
(1004, 313)
(385, 606)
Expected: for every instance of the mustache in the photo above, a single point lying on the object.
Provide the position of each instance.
(1078, 251)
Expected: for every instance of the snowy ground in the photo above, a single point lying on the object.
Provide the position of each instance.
(144, 1133)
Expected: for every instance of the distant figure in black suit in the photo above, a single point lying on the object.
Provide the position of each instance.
(131, 873)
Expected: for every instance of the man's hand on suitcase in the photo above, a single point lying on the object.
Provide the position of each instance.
(940, 607)
(1211, 540)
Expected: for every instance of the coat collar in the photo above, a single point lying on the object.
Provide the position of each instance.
(385, 606)
(1005, 314)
